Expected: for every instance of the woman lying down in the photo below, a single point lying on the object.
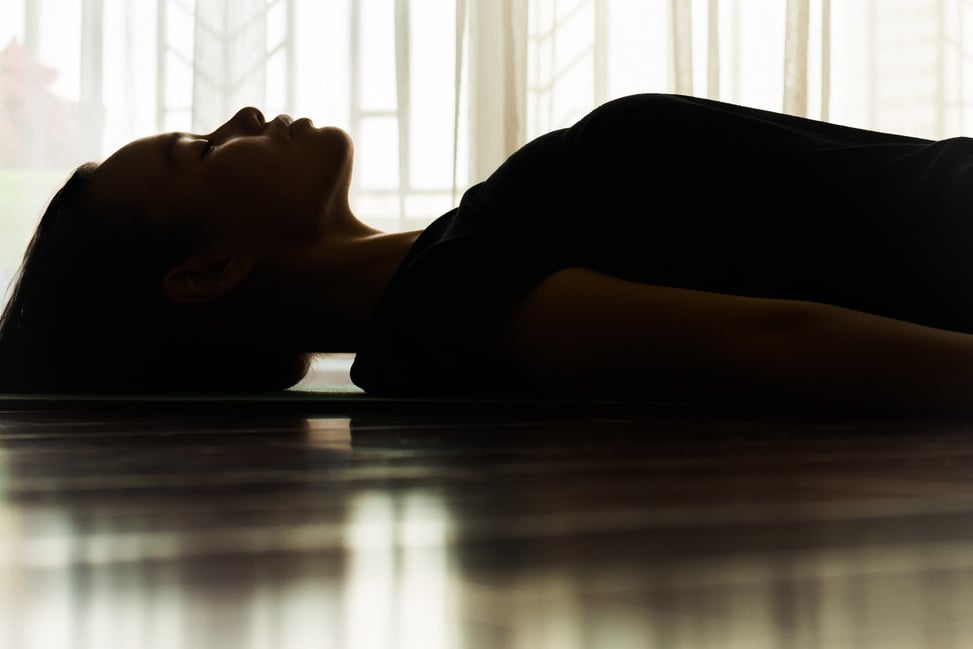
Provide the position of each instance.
(664, 247)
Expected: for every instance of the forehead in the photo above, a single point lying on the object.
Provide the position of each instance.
(135, 168)
(144, 153)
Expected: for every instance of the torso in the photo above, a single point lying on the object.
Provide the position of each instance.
(686, 193)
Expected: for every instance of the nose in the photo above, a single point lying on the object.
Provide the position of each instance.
(247, 121)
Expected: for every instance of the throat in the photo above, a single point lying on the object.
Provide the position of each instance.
(341, 296)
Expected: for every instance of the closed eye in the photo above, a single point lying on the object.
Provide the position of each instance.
(206, 149)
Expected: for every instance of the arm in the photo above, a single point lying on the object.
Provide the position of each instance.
(586, 333)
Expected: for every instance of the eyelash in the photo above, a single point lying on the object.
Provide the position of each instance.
(206, 149)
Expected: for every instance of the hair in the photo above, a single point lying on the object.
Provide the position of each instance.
(88, 313)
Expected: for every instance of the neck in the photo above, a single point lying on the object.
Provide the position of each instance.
(327, 304)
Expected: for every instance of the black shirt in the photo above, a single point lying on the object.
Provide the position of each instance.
(683, 192)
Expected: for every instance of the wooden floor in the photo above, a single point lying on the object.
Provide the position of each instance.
(532, 529)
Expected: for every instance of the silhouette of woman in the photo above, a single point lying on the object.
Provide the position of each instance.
(662, 247)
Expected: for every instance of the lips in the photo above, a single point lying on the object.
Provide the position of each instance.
(280, 123)
(291, 125)
(301, 123)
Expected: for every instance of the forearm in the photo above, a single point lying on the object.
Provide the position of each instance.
(850, 359)
(588, 334)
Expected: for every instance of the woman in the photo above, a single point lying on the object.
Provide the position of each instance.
(662, 247)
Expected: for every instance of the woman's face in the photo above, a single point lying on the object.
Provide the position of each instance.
(252, 183)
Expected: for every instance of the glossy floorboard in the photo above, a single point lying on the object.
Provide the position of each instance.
(522, 530)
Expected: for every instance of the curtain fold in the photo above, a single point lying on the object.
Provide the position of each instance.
(497, 84)
(682, 46)
(713, 50)
(825, 60)
(459, 65)
(91, 64)
(403, 88)
(795, 57)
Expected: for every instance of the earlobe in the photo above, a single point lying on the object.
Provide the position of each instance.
(205, 278)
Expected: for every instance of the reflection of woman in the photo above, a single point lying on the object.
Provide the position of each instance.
(664, 246)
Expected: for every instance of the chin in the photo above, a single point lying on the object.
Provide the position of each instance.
(334, 136)
(335, 147)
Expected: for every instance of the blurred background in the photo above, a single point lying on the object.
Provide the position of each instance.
(436, 93)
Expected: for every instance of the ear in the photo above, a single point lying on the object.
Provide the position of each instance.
(204, 278)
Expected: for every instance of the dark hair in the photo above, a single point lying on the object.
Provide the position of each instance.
(88, 314)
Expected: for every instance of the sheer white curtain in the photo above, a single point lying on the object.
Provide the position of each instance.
(436, 93)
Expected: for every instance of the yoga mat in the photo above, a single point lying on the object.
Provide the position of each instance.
(336, 399)
(306, 398)
(326, 390)
(340, 400)
(324, 394)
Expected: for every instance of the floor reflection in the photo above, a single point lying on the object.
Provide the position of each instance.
(458, 536)
(329, 434)
(397, 592)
